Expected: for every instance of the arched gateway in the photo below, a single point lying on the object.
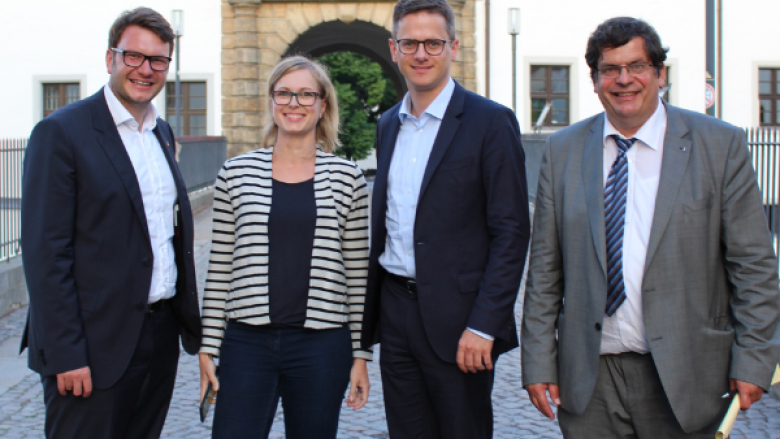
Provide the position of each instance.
(257, 33)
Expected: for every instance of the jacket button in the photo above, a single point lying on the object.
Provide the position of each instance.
(598, 326)
(147, 261)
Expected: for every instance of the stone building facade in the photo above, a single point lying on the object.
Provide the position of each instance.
(257, 33)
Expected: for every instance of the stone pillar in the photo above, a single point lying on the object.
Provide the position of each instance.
(467, 54)
(241, 102)
(465, 68)
(255, 34)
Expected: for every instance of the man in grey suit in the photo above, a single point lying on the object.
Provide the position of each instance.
(651, 258)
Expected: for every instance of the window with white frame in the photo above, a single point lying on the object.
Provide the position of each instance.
(550, 85)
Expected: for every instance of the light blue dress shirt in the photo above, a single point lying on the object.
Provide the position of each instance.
(412, 149)
(404, 180)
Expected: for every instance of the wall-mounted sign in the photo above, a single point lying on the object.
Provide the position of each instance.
(709, 96)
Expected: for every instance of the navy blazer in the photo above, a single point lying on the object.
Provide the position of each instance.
(472, 227)
(86, 248)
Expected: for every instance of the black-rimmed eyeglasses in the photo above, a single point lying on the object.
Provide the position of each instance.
(136, 59)
(432, 47)
(304, 98)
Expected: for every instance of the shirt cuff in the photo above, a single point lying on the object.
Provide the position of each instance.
(482, 334)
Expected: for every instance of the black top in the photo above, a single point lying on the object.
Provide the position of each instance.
(290, 239)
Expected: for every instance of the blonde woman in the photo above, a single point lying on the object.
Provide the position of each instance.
(287, 274)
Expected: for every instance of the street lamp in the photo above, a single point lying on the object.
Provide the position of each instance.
(513, 28)
(177, 22)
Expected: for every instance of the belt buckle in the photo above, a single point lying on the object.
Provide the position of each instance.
(411, 286)
(152, 308)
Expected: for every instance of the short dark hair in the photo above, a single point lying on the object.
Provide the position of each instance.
(617, 32)
(406, 7)
(146, 18)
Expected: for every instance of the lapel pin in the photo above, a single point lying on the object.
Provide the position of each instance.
(168, 144)
(683, 148)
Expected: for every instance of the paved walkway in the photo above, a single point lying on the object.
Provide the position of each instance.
(21, 396)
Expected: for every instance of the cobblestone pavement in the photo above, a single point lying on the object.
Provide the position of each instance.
(21, 406)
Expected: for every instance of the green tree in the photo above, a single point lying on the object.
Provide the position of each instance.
(364, 91)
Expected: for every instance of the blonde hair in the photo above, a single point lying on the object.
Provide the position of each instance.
(328, 125)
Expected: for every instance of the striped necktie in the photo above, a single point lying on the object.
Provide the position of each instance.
(614, 216)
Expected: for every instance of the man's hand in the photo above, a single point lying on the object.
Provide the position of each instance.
(359, 384)
(474, 353)
(79, 381)
(748, 393)
(538, 395)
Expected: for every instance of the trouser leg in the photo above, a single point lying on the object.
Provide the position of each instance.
(425, 396)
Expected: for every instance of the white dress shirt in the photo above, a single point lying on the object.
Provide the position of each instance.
(158, 191)
(624, 331)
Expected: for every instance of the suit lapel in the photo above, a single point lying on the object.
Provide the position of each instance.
(389, 135)
(593, 181)
(449, 126)
(109, 140)
(677, 150)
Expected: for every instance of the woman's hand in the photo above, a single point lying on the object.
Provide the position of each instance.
(359, 385)
(208, 373)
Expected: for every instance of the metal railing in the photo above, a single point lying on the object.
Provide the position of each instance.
(11, 157)
(200, 159)
(764, 146)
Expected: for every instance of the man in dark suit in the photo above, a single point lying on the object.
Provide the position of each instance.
(449, 232)
(107, 242)
(653, 286)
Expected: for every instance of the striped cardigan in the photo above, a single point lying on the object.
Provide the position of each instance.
(237, 281)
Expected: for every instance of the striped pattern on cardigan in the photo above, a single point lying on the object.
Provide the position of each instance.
(237, 281)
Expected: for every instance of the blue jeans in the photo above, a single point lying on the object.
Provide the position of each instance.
(309, 369)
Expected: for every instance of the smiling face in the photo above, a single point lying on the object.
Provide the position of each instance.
(423, 72)
(294, 119)
(135, 87)
(628, 100)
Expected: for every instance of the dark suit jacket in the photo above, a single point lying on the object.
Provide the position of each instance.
(86, 247)
(472, 226)
(710, 287)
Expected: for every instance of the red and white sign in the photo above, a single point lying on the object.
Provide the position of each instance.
(709, 96)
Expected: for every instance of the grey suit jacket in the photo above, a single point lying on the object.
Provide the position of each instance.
(710, 288)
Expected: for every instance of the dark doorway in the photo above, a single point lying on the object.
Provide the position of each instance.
(359, 36)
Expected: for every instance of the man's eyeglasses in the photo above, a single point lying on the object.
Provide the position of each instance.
(432, 47)
(136, 59)
(635, 69)
(304, 98)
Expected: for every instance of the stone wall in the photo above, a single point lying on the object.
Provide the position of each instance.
(256, 33)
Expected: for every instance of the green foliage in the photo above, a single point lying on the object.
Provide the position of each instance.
(364, 91)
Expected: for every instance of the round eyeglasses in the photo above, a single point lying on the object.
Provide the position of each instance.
(432, 47)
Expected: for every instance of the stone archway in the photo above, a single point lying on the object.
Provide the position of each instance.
(358, 36)
(257, 33)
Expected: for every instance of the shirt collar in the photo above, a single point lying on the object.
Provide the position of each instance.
(123, 117)
(651, 133)
(437, 108)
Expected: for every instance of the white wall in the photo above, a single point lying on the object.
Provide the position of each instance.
(556, 33)
(58, 41)
(751, 40)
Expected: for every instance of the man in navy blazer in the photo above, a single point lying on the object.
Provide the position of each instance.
(450, 231)
(107, 238)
